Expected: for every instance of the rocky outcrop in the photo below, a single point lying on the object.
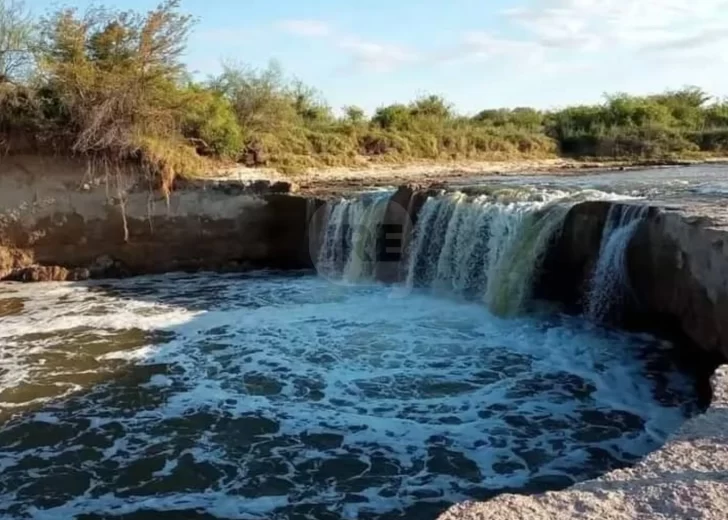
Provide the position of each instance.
(399, 221)
(47, 273)
(677, 270)
(678, 266)
(571, 258)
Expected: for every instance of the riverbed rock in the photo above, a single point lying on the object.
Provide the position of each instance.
(395, 235)
(678, 265)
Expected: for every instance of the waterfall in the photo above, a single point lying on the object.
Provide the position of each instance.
(610, 280)
(483, 248)
(486, 248)
(350, 242)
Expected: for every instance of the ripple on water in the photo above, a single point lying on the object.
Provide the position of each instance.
(272, 396)
(11, 306)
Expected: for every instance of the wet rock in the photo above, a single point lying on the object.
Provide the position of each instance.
(399, 221)
(284, 187)
(101, 266)
(676, 264)
(107, 267)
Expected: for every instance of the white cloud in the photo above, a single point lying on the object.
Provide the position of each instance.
(484, 45)
(378, 57)
(634, 25)
(306, 28)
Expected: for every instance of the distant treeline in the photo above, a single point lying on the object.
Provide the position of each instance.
(110, 85)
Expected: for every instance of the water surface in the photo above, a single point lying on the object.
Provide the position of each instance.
(288, 396)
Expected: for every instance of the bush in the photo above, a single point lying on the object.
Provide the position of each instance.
(211, 123)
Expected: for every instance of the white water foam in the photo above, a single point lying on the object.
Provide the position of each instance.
(278, 393)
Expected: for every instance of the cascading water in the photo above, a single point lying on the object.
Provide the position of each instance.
(610, 280)
(483, 247)
(486, 247)
(349, 248)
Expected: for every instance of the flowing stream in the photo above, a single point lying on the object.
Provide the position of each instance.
(298, 396)
(610, 281)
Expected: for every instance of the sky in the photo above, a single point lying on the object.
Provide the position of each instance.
(476, 53)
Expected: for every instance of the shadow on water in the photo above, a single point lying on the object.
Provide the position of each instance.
(94, 436)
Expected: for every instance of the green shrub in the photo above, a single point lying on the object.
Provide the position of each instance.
(210, 121)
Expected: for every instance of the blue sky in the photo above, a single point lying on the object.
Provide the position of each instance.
(477, 53)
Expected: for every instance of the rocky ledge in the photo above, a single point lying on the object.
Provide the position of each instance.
(686, 479)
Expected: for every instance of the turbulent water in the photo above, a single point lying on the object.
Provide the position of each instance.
(329, 396)
(286, 396)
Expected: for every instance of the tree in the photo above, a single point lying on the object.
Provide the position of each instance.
(431, 106)
(354, 114)
(260, 98)
(17, 34)
(393, 117)
(116, 74)
(309, 104)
